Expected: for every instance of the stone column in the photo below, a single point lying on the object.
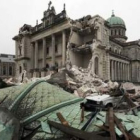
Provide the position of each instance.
(6, 69)
(108, 64)
(123, 71)
(43, 72)
(110, 69)
(32, 56)
(120, 71)
(113, 70)
(117, 69)
(63, 47)
(53, 49)
(36, 59)
(32, 52)
(128, 72)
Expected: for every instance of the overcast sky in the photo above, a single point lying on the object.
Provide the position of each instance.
(15, 13)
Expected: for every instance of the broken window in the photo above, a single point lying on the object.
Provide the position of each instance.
(96, 65)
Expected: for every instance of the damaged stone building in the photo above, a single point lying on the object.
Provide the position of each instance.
(89, 42)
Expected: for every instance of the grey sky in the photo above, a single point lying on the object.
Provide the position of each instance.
(15, 13)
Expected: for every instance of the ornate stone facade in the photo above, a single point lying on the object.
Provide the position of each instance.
(90, 41)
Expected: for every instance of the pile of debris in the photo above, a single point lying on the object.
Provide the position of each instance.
(83, 83)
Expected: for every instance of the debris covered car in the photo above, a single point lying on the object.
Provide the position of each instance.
(101, 101)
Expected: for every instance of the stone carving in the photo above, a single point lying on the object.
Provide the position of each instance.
(25, 29)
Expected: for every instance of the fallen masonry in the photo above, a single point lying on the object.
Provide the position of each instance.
(69, 104)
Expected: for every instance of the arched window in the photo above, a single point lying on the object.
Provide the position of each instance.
(20, 69)
(10, 70)
(96, 65)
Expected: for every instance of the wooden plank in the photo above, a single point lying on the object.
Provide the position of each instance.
(111, 124)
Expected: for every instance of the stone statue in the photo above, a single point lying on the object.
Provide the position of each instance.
(49, 4)
(53, 10)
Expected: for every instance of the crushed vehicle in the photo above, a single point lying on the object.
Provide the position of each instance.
(101, 101)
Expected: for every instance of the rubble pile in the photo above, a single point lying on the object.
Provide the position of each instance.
(84, 83)
(81, 80)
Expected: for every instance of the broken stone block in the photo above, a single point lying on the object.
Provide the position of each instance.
(113, 85)
(129, 87)
(104, 90)
(76, 93)
(85, 89)
(97, 82)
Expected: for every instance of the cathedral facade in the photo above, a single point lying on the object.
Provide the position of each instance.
(89, 42)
